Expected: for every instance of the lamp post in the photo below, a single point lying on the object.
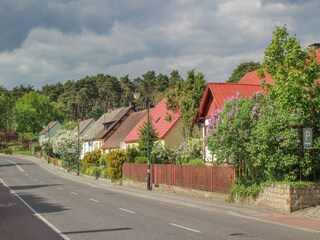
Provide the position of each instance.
(136, 97)
(78, 160)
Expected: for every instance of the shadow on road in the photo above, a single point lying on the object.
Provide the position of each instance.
(25, 187)
(98, 230)
(41, 205)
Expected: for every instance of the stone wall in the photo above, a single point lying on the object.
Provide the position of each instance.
(287, 199)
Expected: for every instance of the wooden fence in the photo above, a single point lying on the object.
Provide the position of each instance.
(207, 178)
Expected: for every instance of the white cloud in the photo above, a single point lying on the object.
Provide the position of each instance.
(71, 39)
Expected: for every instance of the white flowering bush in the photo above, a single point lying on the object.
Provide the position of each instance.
(46, 145)
(63, 141)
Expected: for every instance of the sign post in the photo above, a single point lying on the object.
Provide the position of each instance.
(307, 138)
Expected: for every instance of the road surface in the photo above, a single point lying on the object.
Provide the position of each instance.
(78, 207)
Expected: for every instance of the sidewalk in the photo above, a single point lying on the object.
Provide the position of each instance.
(307, 219)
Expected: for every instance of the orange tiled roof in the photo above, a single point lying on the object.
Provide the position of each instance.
(161, 125)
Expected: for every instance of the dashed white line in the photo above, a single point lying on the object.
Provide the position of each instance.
(74, 193)
(59, 188)
(186, 228)
(94, 200)
(20, 168)
(126, 210)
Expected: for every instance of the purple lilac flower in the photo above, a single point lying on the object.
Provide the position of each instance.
(281, 138)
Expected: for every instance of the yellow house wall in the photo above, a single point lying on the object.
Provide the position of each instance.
(174, 137)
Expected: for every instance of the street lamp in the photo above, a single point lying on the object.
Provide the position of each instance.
(136, 97)
(78, 160)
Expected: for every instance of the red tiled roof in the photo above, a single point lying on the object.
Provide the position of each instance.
(157, 114)
(216, 94)
(125, 128)
(253, 78)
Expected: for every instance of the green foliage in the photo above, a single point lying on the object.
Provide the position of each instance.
(96, 112)
(131, 154)
(32, 112)
(69, 126)
(114, 161)
(191, 149)
(163, 155)
(143, 138)
(242, 190)
(141, 159)
(260, 136)
(8, 151)
(241, 70)
(185, 98)
(196, 162)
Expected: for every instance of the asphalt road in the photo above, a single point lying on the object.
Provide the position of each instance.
(82, 208)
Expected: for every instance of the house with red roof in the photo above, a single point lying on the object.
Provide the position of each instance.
(169, 132)
(253, 78)
(213, 99)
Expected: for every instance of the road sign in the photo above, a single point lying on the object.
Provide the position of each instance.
(71, 150)
(307, 137)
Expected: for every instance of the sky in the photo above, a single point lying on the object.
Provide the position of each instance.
(49, 41)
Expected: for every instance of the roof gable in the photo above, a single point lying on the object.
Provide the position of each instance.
(124, 129)
(49, 126)
(84, 126)
(97, 131)
(161, 125)
(216, 94)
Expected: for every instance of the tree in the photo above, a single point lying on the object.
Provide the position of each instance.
(185, 99)
(5, 111)
(241, 70)
(143, 138)
(32, 112)
(294, 71)
(128, 89)
(96, 112)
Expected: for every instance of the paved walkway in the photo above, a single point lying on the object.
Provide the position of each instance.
(311, 212)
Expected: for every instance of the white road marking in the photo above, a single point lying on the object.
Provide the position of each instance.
(38, 215)
(60, 188)
(36, 180)
(186, 228)
(74, 193)
(26, 174)
(30, 177)
(126, 210)
(20, 168)
(94, 200)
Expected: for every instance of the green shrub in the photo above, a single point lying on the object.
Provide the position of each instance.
(7, 151)
(191, 149)
(163, 155)
(196, 162)
(114, 161)
(243, 189)
(140, 159)
(131, 154)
